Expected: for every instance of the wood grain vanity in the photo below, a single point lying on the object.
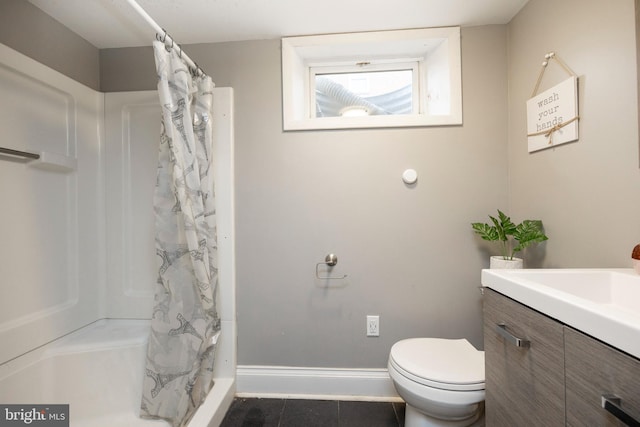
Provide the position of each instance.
(542, 372)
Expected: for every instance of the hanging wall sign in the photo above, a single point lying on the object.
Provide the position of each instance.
(552, 116)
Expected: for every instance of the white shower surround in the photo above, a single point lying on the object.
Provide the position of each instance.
(97, 371)
(101, 263)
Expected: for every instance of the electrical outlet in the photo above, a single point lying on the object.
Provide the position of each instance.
(373, 326)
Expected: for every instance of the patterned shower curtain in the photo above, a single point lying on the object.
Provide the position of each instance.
(185, 323)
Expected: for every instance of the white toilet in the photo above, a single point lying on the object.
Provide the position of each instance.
(441, 381)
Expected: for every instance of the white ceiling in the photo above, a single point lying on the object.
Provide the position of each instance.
(113, 23)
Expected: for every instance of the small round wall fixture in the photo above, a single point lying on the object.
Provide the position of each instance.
(410, 176)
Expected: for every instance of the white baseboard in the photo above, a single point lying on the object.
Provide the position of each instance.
(315, 383)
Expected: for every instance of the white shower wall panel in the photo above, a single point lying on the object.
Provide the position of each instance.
(51, 220)
(132, 128)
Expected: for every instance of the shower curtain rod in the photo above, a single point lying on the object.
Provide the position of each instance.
(163, 36)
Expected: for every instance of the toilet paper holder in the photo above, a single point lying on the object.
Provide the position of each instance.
(330, 260)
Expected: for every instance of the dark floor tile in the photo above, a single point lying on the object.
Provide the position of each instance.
(254, 413)
(310, 413)
(399, 408)
(367, 414)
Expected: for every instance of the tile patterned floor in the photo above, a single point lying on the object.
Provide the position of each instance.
(312, 413)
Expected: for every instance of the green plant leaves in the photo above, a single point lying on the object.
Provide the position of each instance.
(525, 233)
(528, 232)
(504, 227)
(485, 231)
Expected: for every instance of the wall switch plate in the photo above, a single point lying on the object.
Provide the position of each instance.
(373, 326)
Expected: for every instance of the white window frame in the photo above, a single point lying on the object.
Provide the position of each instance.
(436, 51)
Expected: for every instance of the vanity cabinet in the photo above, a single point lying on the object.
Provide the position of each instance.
(594, 369)
(541, 372)
(525, 383)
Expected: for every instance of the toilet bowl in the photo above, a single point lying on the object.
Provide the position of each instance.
(440, 380)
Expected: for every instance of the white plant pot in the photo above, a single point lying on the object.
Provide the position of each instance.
(500, 262)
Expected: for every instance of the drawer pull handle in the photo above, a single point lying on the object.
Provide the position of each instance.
(501, 328)
(612, 403)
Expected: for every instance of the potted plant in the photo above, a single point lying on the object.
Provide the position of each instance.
(512, 237)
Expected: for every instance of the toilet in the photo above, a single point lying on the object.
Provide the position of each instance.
(441, 381)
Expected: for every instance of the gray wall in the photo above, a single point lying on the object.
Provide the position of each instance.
(127, 69)
(29, 30)
(588, 192)
(409, 252)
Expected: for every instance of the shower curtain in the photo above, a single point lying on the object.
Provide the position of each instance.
(185, 325)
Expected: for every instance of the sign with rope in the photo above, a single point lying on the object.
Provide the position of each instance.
(552, 116)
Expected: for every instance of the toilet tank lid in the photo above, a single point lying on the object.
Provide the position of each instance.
(441, 360)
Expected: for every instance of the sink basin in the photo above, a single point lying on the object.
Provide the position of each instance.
(604, 303)
(608, 287)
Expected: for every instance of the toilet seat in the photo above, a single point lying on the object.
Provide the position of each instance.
(444, 364)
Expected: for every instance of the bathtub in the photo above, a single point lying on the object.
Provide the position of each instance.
(98, 371)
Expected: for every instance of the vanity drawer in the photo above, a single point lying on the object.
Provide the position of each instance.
(524, 385)
(592, 370)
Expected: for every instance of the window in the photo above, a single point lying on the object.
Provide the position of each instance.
(364, 90)
(379, 79)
